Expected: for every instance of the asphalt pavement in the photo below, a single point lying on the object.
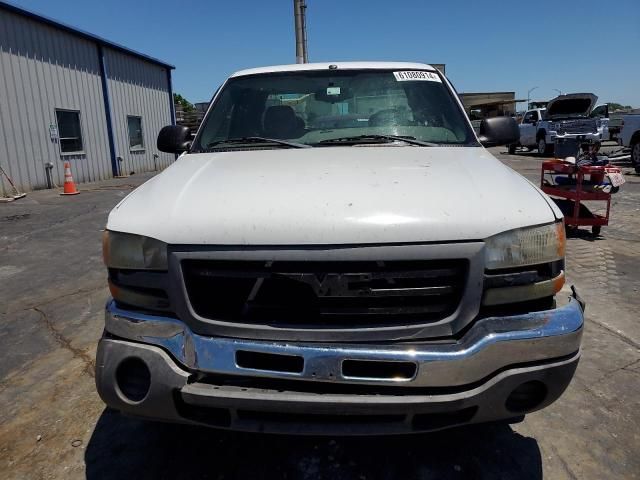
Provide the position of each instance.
(53, 424)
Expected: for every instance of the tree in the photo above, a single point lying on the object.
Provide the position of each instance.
(186, 105)
(616, 106)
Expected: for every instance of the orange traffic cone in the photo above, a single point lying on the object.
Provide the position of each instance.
(69, 184)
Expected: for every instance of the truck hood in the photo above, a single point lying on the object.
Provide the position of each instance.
(571, 105)
(332, 195)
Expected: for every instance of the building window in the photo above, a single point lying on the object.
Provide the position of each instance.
(134, 124)
(69, 131)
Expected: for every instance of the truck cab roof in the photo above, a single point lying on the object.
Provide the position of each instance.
(299, 67)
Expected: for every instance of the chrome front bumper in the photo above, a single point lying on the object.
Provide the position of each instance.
(490, 345)
(585, 137)
(198, 380)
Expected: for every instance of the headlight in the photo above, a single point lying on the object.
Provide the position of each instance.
(124, 250)
(525, 246)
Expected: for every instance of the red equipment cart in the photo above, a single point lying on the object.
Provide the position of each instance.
(577, 189)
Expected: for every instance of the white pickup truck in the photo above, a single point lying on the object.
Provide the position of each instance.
(336, 252)
(566, 116)
(630, 137)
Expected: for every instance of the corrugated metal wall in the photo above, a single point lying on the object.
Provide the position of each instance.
(138, 88)
(41, 69)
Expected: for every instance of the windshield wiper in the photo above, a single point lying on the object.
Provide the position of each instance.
(256, 140)
(368, 138)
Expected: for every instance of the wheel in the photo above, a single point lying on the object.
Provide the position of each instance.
(570, 230)
(544, 150)
(596, 230)
(635, 156)
(512, 149)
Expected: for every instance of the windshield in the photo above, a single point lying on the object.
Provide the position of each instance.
(320, 108)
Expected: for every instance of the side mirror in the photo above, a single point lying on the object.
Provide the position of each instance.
(498, 131)
(174, 139)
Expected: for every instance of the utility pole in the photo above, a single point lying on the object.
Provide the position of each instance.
(299, 14)
(529, 96)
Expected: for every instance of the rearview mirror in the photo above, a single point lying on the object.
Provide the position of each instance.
(333, 94)
(174, 139)
(498, 131)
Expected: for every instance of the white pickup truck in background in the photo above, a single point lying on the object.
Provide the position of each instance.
(630, 137)
(566, 116)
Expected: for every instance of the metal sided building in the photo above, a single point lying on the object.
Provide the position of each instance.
(69, 95)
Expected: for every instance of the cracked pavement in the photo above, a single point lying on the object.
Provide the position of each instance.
(53, 425)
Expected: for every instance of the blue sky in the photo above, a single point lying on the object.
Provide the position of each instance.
(489, 45)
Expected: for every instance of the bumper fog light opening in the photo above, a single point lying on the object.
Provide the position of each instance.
(526, 397)
(133, 380)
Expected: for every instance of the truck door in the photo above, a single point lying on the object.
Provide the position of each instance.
(528, 128)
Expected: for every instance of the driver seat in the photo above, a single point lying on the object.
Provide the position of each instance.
(281, 121)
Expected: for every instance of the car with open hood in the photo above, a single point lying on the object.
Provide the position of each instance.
(571, 116)
(336, 251)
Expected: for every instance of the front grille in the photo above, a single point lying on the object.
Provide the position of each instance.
(325, 294)
(577, 126)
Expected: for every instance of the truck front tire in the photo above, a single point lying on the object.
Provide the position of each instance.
(544, 150)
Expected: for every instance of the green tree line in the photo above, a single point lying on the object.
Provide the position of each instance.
(187, 106)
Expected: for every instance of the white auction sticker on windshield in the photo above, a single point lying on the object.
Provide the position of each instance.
(417, 75)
